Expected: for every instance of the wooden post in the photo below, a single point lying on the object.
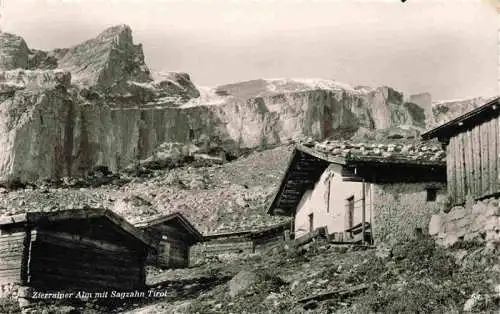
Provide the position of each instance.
(287, 235)
(363, 214)
(25, 259)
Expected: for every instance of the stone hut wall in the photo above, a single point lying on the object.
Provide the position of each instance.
(400, 208)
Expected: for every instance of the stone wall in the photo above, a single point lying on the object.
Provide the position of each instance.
(400, 208)
(475, 221)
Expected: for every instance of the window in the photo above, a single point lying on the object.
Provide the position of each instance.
(311, 228)
(350, 212)
(431, 194)
(191, 134)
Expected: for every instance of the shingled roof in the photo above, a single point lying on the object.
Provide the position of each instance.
(347, 152)
(176, 218)
(34, 218)
(396, 161)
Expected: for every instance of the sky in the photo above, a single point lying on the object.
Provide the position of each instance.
(448, 48)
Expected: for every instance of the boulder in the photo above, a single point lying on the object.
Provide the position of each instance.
(456, 213)
(435, 225)
(449, 240)
(472, 304)
(241, 282)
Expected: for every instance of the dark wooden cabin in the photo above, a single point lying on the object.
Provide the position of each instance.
(91, 249)
(472, 144)
(246, 241)
(173, 235)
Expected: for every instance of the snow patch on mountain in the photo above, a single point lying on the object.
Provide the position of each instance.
(303, 84)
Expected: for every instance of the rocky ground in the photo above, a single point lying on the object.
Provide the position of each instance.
(215, 197)
(413, 276)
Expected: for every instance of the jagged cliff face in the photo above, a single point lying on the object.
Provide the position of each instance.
(14, 52)
(34, 124)
(444, 111)
(65, 111)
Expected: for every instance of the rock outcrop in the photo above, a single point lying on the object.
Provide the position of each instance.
(35, 126)
(97, 104)
(444, 111)
(14, 52)
(107, 62)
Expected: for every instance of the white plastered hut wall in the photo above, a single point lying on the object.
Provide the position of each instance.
(332, 212)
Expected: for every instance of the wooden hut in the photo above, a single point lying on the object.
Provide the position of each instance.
(247, 241)
(172, 235)
(472, 144)
(91, 249)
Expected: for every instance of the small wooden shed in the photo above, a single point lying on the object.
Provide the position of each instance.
(91, 249)
(248, 241)
(172, 235)
(472, 144)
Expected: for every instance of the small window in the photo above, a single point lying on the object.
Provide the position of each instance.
(431, 194)
(350, 212)
(311, 224)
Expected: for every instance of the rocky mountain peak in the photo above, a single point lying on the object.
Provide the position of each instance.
(121, 32)
(107, 62)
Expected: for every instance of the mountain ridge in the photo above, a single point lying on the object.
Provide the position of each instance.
(112, 111)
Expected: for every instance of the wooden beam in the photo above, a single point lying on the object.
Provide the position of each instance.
(25, 261)
(299, 182)
(352, 179)
(292, 192)
(497, 135)
(485, 170)
(280, 202)
(363, 214)
(6, 220)
(476, 160)
(493, 155)
(469, 162)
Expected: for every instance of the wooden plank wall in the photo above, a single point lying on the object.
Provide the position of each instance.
(11, 252)
(473, 162)
(62, 261)
(177, 256)
(213, 249)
